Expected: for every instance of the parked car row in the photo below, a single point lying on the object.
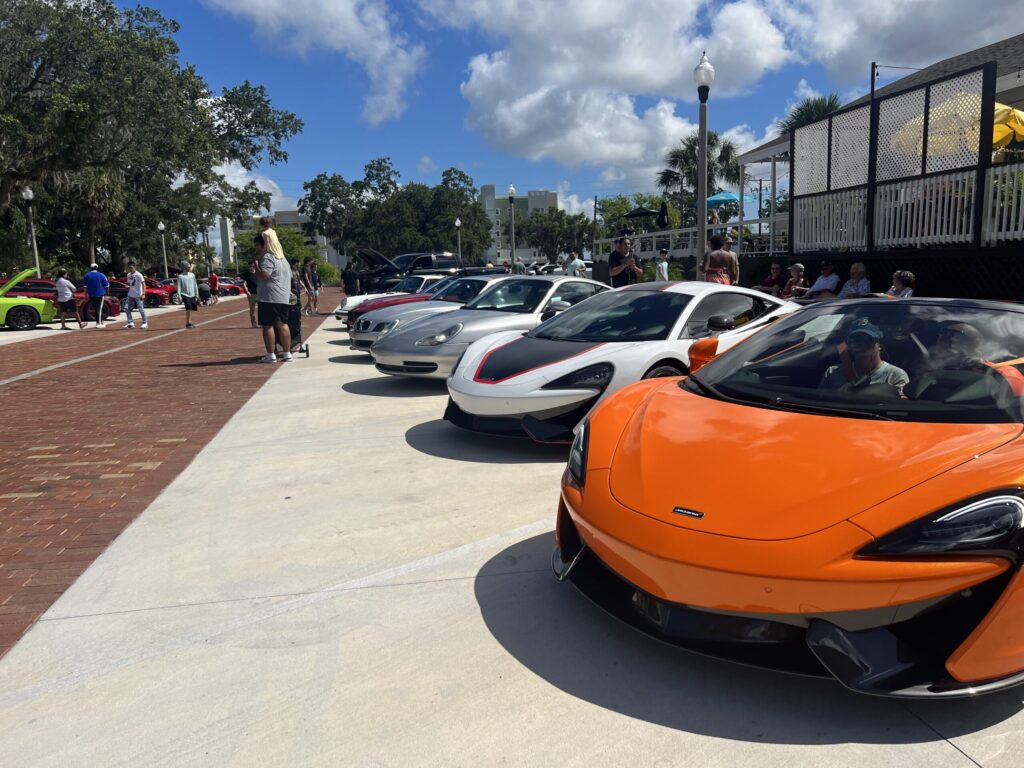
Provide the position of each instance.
(831, 490)
(25, 285)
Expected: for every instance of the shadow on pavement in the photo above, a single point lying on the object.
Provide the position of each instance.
(216, 363)
(393, 386)
(343, 329)
(556, 633)
(356, 358)
(446, 441)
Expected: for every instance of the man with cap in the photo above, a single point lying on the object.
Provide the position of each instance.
(96, 285)
(861, 361)
(824, 287)
(661, 266)
(796, 280)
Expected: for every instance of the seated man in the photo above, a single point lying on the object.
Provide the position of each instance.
(858, 285)
(861, 361)
(775, 282)
(824, 287)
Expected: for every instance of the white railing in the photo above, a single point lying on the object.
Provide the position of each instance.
(1003, 219)
(682, 243)
(832, 222)
(934, 210)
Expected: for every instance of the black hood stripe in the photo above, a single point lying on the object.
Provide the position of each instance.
(525, 354)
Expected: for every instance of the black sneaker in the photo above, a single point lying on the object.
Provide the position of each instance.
(189, 325)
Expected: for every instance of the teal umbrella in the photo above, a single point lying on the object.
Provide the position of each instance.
(729, 197)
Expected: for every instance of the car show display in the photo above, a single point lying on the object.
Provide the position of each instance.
(23, 313)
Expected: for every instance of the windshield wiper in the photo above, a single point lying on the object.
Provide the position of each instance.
(713, 391)
(785, 405)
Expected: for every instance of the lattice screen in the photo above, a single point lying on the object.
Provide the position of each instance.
(850, 143)
(954, 114)
(900, 136)
(810, 169)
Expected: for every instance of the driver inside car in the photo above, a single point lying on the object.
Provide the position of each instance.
(958, 348)
(861, 362)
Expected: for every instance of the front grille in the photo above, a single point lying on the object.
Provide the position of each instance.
(362, 343)
(408, 367)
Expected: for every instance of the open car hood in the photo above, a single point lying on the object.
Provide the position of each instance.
(758, 473)
(15, 280)
(374, 258)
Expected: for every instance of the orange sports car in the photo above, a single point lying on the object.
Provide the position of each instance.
(841, 495)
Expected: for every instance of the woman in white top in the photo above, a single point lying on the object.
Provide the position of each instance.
(66, 300)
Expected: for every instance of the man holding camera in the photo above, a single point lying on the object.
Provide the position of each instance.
(622, 267)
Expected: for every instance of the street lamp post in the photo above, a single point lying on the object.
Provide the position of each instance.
(512, 226)
(27, 195)
(703, 77)
(458, 234)
(163, 245)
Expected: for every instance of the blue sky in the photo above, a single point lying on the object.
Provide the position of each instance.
(579, 96)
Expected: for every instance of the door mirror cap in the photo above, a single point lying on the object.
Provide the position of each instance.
(719, 323)
(702, 352)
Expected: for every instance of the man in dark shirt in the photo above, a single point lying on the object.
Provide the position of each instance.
(250, 282)
(350, 278)
(622, 268)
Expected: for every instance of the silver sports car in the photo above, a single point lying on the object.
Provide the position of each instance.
(430, 348)
(451, 297)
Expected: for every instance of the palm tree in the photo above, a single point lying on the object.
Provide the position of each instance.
(679, 179)
(810, 110)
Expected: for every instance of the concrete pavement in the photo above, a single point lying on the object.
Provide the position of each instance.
(340, 578)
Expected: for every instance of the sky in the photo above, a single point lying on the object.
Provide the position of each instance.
(582, 97)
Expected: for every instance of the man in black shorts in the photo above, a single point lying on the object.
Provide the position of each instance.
(274, 293)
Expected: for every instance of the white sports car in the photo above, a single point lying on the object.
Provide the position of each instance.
(542, 383)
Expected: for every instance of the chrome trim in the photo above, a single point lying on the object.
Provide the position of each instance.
(688, 513)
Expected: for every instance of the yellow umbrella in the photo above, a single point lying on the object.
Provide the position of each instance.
(1009, 125)
(953, 126)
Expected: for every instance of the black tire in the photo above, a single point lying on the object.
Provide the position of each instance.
(152, 301)
(88, 312)
(664, 370)
(22, 318)
(175, 298)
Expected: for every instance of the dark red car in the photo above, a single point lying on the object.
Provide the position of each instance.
(391, 300)
(156, 295)
(40, 288)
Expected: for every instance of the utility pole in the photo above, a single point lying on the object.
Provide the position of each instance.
(760, 187)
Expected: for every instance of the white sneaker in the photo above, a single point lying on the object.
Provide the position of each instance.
(286, 357)
(101, 325)
(271, 358)
(130, 325)
(145, 326)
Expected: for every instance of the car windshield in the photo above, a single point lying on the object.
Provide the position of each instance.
(408, 285)
(439, 285)
(617, 316)
(460, 290)
(910, 360)
(512, 296)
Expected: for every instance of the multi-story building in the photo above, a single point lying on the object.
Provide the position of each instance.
(497, 208)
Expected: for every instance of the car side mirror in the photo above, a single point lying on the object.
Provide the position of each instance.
(702, 352)
(720, 323)
(554, 308)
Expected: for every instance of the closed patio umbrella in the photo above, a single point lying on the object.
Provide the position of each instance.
(953, 126)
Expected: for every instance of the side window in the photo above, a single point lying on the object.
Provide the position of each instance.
(742, 309)
(423, 262)
(573, 293)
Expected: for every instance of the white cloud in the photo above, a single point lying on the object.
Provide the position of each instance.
(237, 176)
(571, 203)
(426, 164)
(363, 30)
(847, 35)
(805, 91)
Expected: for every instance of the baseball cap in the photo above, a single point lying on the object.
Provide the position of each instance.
(663, 250)
(826, 263)
(797, 266)
(864, 327)
(94, 266)
(729, 240)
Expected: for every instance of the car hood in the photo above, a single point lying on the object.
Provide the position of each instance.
(406, 312)
(374, 258)
(15, 280)
(758, 473)
(476, 323)
(514, 360)
(389, 301)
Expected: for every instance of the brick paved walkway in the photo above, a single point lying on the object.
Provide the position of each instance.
(86, 447)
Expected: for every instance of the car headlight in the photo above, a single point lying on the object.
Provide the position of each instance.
(577, 466)
(991, 523)
(343, 303)
(388, 328)
(592, 377)
(440, 338)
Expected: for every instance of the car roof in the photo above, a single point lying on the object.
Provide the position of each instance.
(690, 287)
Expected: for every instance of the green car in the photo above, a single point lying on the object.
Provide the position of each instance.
(20, 313)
